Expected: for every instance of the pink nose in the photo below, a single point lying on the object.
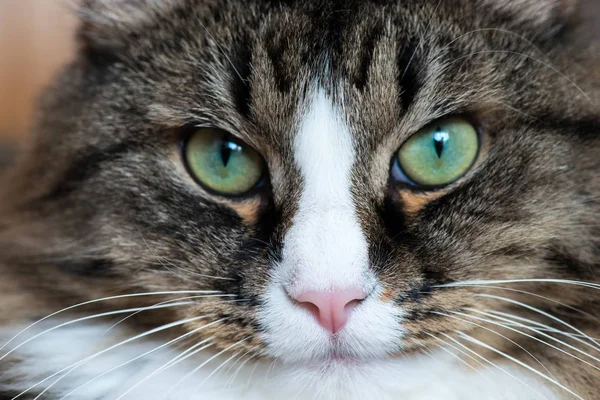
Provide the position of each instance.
(331, 309)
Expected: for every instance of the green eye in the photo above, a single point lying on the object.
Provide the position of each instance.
(439, 154)
(223, 164)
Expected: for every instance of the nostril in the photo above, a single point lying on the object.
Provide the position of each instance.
(308, 306)
(352, 305)
(331, 309)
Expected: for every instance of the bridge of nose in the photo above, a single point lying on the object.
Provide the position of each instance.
(325, 246)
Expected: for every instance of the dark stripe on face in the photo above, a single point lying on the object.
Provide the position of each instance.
(275, 51)
(100, 268)
(408, 61)
(85, 167)
(394, 221)
(572, 266)
(587, 128)
(368, 46)
(241, 75)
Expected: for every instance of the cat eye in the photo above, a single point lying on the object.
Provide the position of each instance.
(438, 154)
(222, 163)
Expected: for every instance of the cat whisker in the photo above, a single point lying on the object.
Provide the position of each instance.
(560, 321)
(177, 339)
(197, 348)
(242, 355)
(458, 350)
(543, 327)
(529, 336)
(494, 365)
(538, 296)
(90, 317)
(498, 334)
(535, 338)
(271, 366)
(67, 370)
(251, 374)
(216, 370)
(506, 281)
(167, 302)
(125, 296)
(190, 352)
(237, 371)
(192, 372)
(520, 363)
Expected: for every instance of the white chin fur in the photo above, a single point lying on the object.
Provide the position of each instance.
(436, 377)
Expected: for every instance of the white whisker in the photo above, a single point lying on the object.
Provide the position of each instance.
(106, 299)
(174, 361)
(535, 338)
(177, 339)
(216, 370)
(520, 363)
(237, 371)
(535, 280)
(543, 327)
(90, 317)
(72, 367)
(458, 350)
(501, 335)
(199, 367)
(167, 302)
(538, 296)
(552, 317)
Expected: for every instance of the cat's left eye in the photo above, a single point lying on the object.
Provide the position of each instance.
(438, 154)
(222, 163)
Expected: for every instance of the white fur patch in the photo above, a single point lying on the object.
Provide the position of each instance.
(439, 377)
(325, 248)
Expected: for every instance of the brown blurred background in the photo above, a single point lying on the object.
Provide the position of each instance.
(35, 40)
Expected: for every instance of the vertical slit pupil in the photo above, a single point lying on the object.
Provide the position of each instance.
(227, 149)
(439, 141)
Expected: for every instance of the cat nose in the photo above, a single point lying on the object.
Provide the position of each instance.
(331, 309)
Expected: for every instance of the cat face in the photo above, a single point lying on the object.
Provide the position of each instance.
(332, 170)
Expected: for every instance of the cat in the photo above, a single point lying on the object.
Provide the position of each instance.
(309, 199)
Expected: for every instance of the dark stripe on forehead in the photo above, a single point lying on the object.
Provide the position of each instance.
(368, 48)
(240, 64)
(408, 67)
(276, 46)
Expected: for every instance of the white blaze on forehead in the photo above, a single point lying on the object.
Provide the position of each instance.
(325, 248)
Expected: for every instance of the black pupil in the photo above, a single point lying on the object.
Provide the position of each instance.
(227, 149)
(440, 138)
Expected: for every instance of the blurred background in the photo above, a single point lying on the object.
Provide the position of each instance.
(36, 38)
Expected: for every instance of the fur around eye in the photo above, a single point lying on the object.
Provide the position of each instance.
(221, 163)
(437, 155)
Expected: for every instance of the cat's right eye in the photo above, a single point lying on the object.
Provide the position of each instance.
(223, 164)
